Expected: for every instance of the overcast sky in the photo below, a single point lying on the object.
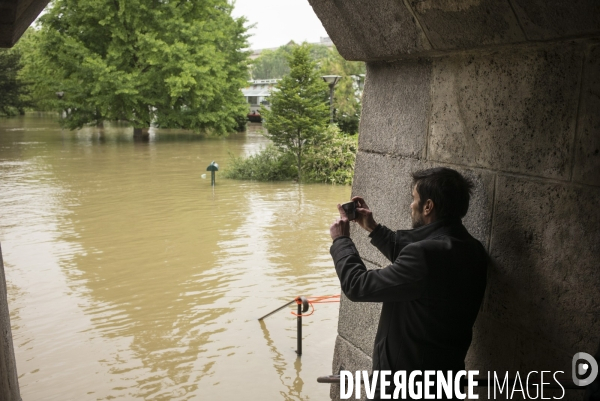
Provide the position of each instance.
(279, 21)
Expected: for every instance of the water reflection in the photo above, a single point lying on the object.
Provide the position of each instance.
(294, 391)
(128, 277)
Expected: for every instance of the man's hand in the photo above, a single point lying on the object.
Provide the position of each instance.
(341, 227)
(364, 216)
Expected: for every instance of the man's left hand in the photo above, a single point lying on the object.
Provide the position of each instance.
(341, 227)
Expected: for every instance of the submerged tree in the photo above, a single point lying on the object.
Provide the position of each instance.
(173, 63)
(299, 111)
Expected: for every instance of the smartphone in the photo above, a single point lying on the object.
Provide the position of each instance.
(350, 209)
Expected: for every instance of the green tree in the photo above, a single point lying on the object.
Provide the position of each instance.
(299, 112)
(347, 101)
(12, 89)
(173, 63)
(273, 64)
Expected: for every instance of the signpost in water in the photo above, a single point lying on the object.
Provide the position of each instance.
(212, 167)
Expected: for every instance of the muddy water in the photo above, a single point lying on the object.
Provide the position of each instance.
(129, 277)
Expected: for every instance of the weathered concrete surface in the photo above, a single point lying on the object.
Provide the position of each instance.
(361, 31)
(465, 24)
(553, 19)
(546, 278)
(586, 168)
(394, 118)
(389, 30)
(348, 357)
(9, 383)
(514, 110)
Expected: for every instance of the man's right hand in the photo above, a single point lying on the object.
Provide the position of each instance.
(364, 216)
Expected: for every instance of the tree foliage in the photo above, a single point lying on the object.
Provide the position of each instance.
(270, 164)
(173, 63)
(330, 161)
(273, 63)
(13, 90)
(299, 112)
(347, 99)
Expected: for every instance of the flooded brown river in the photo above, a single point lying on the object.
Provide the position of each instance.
(130, 278)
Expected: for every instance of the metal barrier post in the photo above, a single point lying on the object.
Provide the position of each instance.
(299, 329)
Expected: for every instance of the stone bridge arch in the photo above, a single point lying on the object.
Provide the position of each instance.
(508, 92)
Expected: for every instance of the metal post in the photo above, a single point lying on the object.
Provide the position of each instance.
(331, 103)
(299, 323)
(212, 178)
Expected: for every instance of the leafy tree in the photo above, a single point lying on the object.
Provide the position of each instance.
(12, 89)
(299, 112)
(174, 63)
(37, 71)
(347, 98)
(273, 64)
(346, 103)
(332, 159)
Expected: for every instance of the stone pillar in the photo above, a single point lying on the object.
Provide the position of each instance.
(508, 93)
(9, 384)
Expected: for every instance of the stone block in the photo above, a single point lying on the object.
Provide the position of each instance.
(586, 166)
(364, 31)
(553, 19)
(545, 278)
(500, 347)
(511, 110)
(395, 98)
(348, 357)
(8, 367)
(466, 24)
(385, 184)
(493, 346)
(478, 219)
(358, 321)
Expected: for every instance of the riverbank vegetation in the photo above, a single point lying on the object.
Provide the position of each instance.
(330, 161)
(169, 64)
(14, 91)
(305, 147)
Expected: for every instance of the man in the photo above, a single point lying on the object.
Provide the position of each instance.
(433, 289)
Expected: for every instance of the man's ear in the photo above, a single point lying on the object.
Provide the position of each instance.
(428, 207)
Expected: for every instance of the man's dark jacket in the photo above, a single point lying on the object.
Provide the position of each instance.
(431, 293)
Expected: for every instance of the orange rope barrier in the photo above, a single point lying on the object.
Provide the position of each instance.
(316, 300)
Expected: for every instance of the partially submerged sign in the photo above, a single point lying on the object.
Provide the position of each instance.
(212, 167)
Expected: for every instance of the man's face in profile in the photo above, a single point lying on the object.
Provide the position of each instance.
(416, 211)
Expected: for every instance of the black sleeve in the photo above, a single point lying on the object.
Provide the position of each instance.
(388, 242)
(402, 280)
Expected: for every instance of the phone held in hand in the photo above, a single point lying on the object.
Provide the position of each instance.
(350, 210)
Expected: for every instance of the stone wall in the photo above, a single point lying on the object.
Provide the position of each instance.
(9, 383)
(507, 92)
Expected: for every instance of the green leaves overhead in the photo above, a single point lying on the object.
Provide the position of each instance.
(171, 63)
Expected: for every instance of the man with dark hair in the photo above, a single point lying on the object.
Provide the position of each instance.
(433, 288)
